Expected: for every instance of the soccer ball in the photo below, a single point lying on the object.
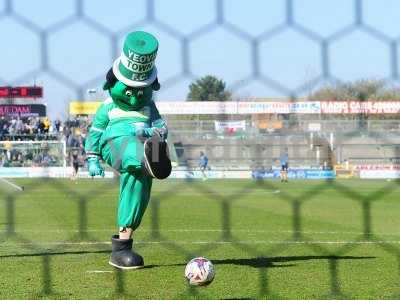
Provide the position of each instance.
(199, 271)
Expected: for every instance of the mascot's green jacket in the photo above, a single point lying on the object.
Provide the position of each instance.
(117, 134)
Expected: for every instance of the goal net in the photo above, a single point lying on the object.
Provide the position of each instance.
(33, 154)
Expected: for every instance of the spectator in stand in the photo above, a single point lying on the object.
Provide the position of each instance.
(57, 125)
(4, 130)
(2, 122)
(40, 127)
(73, 131)
(19, 126)
(75, 164)
(46, 125)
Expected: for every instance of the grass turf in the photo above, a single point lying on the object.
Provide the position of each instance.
(301, 240)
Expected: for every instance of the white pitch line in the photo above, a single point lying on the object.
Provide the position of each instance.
(161, 194)
(98, 271)
(200, 194)
(210, 242)
(17, 187)
(268, 192)
(211, 230)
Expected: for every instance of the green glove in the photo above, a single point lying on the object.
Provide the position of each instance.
(158, 128)
(146, 132)
(94, 166)
(161, 127)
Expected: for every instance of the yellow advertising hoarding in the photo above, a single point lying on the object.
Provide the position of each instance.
(83, 108)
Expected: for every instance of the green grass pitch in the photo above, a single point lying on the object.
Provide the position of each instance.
(301, 240)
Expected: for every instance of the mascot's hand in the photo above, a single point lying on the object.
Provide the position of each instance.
(149, 132)
(159, 128)
(157, 132)
(94, 167)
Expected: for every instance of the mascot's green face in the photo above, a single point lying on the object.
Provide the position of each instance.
(130, 98)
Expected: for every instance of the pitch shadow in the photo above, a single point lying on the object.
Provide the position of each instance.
(257, 262)
(53, 253)
(268, 262)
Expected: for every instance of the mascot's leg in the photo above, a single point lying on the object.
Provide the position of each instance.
(134, 196)
(133, 199)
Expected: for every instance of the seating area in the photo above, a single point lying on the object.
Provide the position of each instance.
(316, 152)
(239, 149)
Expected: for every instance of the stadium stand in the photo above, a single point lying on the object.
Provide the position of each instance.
(257, 146)
(14, 129)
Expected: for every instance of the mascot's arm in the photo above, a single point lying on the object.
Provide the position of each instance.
(92, 145)
(158, 124)
(99, 124)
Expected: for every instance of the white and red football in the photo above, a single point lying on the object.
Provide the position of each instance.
(199, 271)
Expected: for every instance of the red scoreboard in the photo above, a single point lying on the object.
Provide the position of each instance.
(21, 92)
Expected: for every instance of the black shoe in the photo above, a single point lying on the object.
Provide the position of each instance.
(122, 256)
(156, 162)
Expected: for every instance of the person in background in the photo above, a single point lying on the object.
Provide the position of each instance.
(46, 125)
(203, 163)
(75, 164)
(57, 125)
(284, 161)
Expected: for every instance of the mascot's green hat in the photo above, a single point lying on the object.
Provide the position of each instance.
(135, 67)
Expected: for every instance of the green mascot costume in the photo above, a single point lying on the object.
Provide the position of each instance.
(129, 134)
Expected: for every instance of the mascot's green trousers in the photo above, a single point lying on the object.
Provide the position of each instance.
(118, 135)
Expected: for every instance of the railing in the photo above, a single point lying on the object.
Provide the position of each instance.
(208, 126)
(31, 137)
